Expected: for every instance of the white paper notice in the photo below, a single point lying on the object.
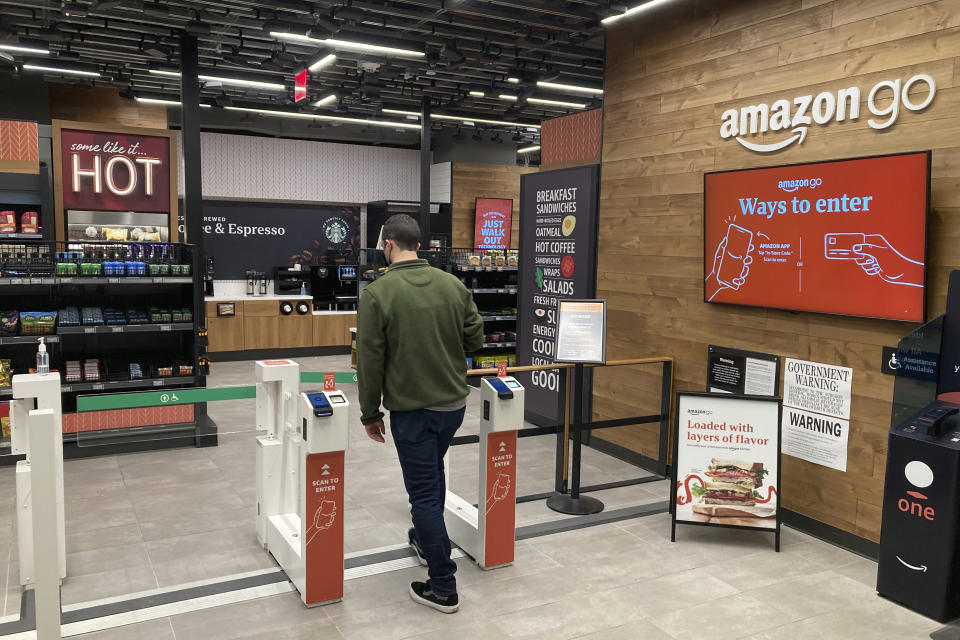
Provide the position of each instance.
(816, 412)
(760, 378)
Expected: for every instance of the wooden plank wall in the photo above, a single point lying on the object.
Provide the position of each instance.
(670, 74)
(103, 105)
(474, 180)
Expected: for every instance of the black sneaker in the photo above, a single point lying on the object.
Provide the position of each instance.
(412, 541)
(420, 592)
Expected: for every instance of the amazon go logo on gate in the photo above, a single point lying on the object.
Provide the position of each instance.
(920, 475)
(796, 116)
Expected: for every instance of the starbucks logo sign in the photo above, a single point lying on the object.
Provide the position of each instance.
(336, 230)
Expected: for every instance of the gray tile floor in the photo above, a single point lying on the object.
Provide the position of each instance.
(160, 519)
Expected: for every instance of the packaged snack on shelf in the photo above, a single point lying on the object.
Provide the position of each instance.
(69, 317)
(115, 235)
(499, 260)
(6, 373)
(92, 316)
(91, 370)
(136, 371)
(185, 370)
(9, 323)
(30, 222)
(469, 363)
(513, 259)
(38, 323)
(164, 371)
(73, 371)
(8, 222)
(486, 261)
(5, 426)
(474, 261)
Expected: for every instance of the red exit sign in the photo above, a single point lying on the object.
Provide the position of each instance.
(300, 87)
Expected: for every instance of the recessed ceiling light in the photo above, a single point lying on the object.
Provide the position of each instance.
(512, 80)
(557, 103)
(529, 149)
(325, 101)
(321, 63)
(19, 48)
(172, 103)
(236, 82)
(504, 96)
(477, 94)
(313, 116)
(570, 87)
(75, 72)
(344, 44)
(643, 7)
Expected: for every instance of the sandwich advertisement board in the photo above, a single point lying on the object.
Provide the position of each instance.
(726, 469)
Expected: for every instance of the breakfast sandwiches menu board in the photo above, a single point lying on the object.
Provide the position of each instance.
(726, 468)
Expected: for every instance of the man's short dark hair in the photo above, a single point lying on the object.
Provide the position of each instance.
(403, 230)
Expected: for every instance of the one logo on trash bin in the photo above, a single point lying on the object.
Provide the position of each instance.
(920, 475)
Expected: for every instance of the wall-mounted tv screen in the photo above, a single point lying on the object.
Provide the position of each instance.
(843, 237)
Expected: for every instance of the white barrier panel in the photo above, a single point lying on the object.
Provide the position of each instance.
(45, 431)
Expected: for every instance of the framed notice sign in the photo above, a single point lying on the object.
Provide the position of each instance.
(743, 372)
(726, 462)
(494, 220)
(581, 331)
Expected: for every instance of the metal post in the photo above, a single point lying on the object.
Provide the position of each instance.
(666, 390)
(575, 504)
(563, 438)
(44, 430)
(426, 159)
(193, 200)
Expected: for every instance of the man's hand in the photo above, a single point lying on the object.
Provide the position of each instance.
(376, 430)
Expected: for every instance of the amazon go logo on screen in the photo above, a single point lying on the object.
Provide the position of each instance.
(920, 475)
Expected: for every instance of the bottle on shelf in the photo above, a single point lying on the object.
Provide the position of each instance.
(43, 358)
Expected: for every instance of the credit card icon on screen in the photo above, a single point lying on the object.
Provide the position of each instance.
(839, 246)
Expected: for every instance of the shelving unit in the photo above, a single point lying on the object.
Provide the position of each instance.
(158, 347)
(494, 287)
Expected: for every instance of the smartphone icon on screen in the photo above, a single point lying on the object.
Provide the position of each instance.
(839, 246)
(735, 253)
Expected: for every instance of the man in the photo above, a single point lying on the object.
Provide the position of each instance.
(414, 326)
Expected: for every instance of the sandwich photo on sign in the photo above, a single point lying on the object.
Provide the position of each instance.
(727, 460)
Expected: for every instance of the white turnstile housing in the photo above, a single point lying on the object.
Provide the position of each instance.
(300, 477)
(35, 391)
(487, 534)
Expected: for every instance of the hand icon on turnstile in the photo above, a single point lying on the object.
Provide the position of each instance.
(323, 519)
(501, 488)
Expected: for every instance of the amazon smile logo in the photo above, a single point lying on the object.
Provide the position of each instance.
(798, 115)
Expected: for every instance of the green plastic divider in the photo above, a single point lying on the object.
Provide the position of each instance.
(341, 377)
(166, 398)
(169, 397)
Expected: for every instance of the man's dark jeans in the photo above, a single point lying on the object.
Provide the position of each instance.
(422, 438)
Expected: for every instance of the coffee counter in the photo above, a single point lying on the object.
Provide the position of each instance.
(257, 324)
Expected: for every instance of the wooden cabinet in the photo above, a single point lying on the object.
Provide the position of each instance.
(225, 334)
(295, 331)
(333, 330)
(258, 325)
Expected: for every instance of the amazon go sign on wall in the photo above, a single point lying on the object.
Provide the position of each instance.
(793, 118)
(104, 171)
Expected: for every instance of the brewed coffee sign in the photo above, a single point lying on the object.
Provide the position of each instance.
(558, 239)
(795, 116)
(494, 217)
(103, 171)
(242, 236)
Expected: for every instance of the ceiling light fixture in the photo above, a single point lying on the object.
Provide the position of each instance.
(321, 63)
(529, 149)
(172, 103)
(464, 119)
(504, 96)
(344, 44)
(646, 5)
(399, 112)
(477, 94)
(17, 48)
(75, 72)
(558, 103)
(312, 116)
(513, 80)
(325, 101)
(236, 82)
(570, 87)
